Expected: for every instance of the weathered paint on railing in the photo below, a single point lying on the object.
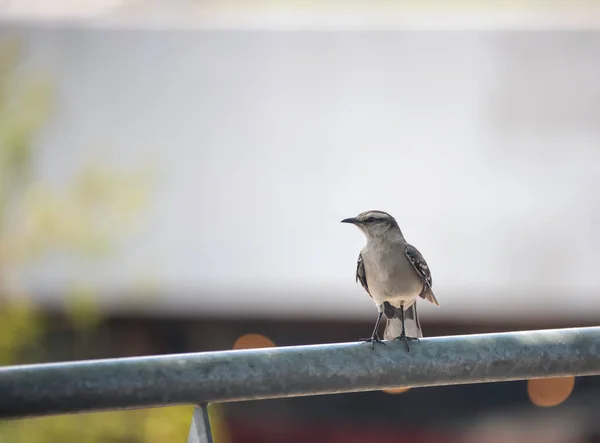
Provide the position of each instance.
(201, 378)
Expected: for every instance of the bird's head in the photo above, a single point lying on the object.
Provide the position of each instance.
(374, 224)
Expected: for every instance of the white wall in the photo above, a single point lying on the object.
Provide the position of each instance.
(484, 145)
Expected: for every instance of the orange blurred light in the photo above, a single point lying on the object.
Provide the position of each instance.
(395, 390)
(253, 341)
(548, 392)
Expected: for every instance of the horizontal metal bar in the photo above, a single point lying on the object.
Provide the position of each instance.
(226, 376)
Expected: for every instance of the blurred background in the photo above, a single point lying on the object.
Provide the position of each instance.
(173, 174)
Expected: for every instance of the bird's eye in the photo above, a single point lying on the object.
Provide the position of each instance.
(370, 219)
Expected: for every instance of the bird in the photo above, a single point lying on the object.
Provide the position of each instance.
(394, 274)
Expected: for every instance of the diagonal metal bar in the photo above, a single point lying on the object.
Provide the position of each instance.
(295, 371)
(200, 431)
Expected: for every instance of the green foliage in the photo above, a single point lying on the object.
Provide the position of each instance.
(20, 329)
(157, 425)
(88, 217)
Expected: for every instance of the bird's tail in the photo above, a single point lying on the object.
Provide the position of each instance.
(428, 295)
(412, 325)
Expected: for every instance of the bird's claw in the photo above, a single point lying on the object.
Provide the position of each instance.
(374, 339)
(407, 340)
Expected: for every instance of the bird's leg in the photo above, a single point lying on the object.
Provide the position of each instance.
(374, 337)
(403, 336)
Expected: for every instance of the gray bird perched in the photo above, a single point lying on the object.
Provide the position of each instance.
(394, 274)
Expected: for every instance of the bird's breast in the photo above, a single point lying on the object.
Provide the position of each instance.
(391, 278)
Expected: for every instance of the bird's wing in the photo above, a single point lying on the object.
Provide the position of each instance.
(418, 262)
(360, 274)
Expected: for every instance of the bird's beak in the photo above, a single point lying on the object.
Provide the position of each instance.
(352, 220)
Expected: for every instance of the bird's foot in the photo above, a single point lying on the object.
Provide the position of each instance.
(374, 339)
(407, 340)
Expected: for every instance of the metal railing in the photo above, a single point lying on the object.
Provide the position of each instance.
(200, 378)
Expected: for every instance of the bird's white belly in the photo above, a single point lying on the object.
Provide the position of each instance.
(399, 286)
(404, 296)
(390, 276)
